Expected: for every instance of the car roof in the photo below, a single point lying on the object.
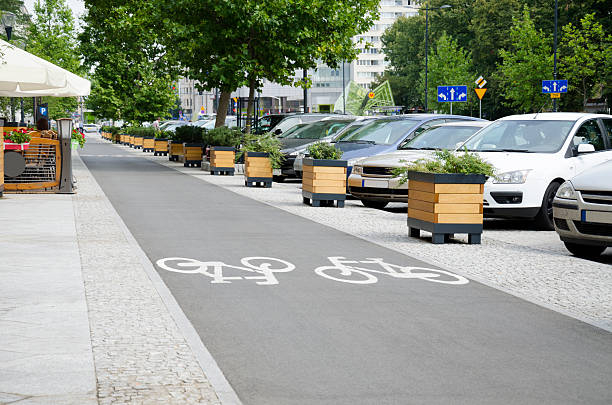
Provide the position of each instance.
(479, 124)
(552, 116)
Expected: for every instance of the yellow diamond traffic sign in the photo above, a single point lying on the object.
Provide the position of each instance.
(480, 92)
(555, 95)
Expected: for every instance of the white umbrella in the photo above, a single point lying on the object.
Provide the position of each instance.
(25, 75)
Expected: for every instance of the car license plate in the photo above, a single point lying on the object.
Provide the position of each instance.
(601, 217)
(376, 183)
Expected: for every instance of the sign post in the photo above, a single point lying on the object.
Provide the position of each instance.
(480, 92)
(452, 94)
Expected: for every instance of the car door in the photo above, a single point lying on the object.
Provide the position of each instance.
(590, 132)
(606, 126)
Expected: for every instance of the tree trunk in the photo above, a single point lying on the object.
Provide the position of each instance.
(250, 116)
(224, 99)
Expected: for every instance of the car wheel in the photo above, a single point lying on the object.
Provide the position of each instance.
(374, 204)
(584, 251)
(544, 219)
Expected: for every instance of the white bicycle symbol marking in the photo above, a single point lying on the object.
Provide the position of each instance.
(343, 270)
(214, 270)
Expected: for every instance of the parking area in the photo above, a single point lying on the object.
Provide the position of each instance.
(513, 257)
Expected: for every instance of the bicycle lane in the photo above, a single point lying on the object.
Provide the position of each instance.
(313, 340)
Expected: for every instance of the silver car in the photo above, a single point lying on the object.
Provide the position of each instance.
(582, 211)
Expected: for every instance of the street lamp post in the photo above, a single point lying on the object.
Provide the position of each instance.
(8, 20)
(427, 42)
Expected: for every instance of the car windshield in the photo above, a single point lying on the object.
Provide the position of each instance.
(380, 132)
(318, 130)
(292, 130)
(528, 136)
(444, 137)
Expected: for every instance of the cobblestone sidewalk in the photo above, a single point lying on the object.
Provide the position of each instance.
(140, 355)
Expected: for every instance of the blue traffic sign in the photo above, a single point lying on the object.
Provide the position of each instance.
(554, 86)
(452, 94)
(43, 111)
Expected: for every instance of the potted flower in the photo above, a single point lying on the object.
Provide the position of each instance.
(222, 142)
(192, 145)
(17, 139)
(261, 155)
(161, 143)
(324, 176)
(78, 138)
(445, 195)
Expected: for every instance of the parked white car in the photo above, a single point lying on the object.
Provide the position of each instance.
(534, 154)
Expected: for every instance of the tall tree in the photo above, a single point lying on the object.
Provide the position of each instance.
(450, 64)
(586, 61)
(525, 63)
(226, 44)
(52, 36)
(133, 73)
(404, 47)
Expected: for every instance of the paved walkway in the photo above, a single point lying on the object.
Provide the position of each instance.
(318, 333)
(94, 324)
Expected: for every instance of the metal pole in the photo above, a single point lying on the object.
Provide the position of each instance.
(22, 123)
(343, 90)
(480, 108)
(426, 52)
(451, 107)
(555, 54)
(305, 73)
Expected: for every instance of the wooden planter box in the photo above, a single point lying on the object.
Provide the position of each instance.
(258, 169)
(122, 139)
(323, 182)
(161, 147)
(175, 150)
(148, 144)
(116, 138)
(222, 160)
(445, 204)
(131, 141)
(193, 154)
(138, 140)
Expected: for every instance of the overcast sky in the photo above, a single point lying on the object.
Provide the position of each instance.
(77, 6)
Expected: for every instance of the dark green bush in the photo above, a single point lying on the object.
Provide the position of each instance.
(188, 134)
(223, 136)
(324, 150)
(139, 131)
(264, 143)
(165, 135)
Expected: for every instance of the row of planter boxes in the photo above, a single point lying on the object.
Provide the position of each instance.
(443, 204)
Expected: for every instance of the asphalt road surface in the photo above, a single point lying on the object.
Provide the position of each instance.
(305, 335)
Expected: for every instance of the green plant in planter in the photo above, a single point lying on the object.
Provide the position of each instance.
(223, 136)
(164, 135)
(188, 134)
(324, 150)
(444, 161)
(265, 143)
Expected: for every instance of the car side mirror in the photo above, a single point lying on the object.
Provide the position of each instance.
(585, 148)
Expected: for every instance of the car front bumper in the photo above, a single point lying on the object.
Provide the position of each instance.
(583, 222)
(513, 200)
(377, 188)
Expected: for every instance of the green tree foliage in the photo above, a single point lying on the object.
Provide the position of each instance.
(133, 73)
(586, 60)
(52, 36)
(226, 44)
(449, 64)
(404, 48)
(528, 60)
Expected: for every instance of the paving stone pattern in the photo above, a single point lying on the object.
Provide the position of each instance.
(530, 264)
(140, 356)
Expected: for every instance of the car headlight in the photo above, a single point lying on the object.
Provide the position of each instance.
(567, 191)
(514, 177)
(357, 169)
